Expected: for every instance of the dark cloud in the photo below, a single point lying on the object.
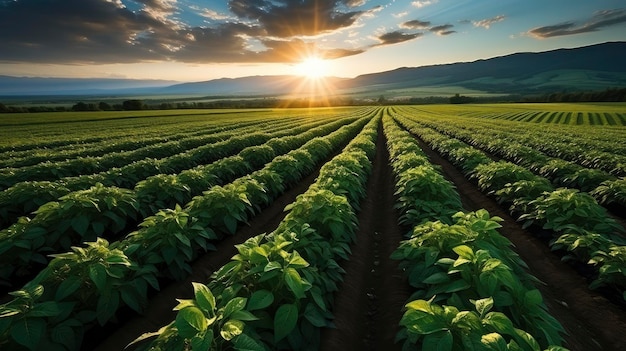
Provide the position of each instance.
(396, 37)
(443, 29)
(80, 31)
(106, 31)
(286, 19)
(598, 21)
(415, 24)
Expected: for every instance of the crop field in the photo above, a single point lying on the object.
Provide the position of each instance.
(426, 227)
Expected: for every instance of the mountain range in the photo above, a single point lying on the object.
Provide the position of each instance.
(593, 67)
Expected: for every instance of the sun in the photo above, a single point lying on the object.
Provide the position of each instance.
(313, 68)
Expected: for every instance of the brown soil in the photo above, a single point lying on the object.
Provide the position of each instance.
(369, 303)
(590, 320)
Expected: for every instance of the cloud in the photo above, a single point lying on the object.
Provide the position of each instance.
(401, 14)
(443, 29)
(420, 4)
(415, 24)
(106, 31)
(599, 20)
(354, 3)
(163, 5)
(396, 37)
(213, 15)
(81, 31)
(295, 50)
(486, 23)
(286, 19)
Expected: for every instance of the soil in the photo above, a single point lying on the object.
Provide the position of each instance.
(369, 303)
(589, 319)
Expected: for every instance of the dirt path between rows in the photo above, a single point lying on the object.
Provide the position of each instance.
(159, 312)
(591, 321)
(369, 303)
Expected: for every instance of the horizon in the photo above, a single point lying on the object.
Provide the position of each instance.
(182, 41)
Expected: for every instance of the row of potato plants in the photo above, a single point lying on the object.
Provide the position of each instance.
(591, 147)
(277, 292)
(89, 284)
(472, 290)
(606, 188)
(63, 131)
(85, 215)
(576, 222)
(596, 147)
(184, 133)
(80, 132)
(26, 197)
(52, 170)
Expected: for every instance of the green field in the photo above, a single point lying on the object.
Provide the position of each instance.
(292, 224)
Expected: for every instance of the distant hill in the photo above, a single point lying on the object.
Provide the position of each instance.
(255, 85)
(76, 86)
(594, 67)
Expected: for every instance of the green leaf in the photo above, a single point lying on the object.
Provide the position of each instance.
(107, 306)
(182, 238)
(98, 228)
(244, 315)
(494, 341)
(528, 339)
(231, 224)
(234, 305)
(457, 285)
(204, 298)
(80, 224)
(130, 298)
(533, 297)
(45, 309)
(295, 282)
(190, 321)
(437, 278)
(483, 306)
(67, 288)
(65, 336)
(232, 328)
(245, 343)
(98, 275)
(270, 266)
(28, 332)
(118, 259)
(438, 341)
(297, 261)
(260, 299)
(202, 342)
(183, 303)
(6, 312)
(464, 251)
(313, 315)
(500, 323)
(285, 320)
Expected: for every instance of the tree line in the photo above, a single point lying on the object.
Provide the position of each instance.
(607, 95)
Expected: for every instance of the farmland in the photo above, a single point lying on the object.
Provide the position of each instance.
(382, 227)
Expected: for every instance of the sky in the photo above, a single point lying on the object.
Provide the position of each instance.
(196, 40)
